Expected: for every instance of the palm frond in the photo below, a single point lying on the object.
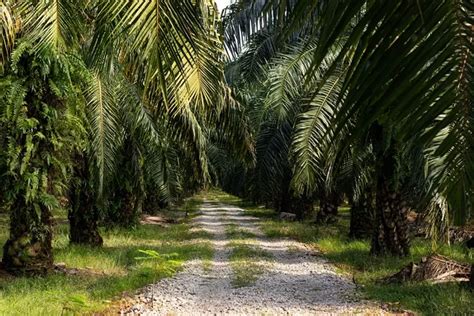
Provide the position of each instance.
(314, 135)
(7, 32)
(56, 24)
(106, 131)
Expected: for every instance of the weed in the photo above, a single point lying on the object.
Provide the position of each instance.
(248, 263)
(352, 256)
(114, 266)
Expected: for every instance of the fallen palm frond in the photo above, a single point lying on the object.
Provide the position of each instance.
(434, 269)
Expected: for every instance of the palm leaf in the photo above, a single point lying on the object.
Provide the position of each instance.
(7, 32)
(106, 131)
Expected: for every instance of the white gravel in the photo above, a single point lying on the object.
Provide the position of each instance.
(296, 281)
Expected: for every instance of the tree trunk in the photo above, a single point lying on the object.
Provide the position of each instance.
(283, 200)
(391, 231)
(302, 206)
(83, 213)
(28, 251)
(127, 212)
(40, 137)
(471, 279)
(391, 226)
(153, 204)
(328, 208)
(362, 217)
(83, 220)
(130, 210)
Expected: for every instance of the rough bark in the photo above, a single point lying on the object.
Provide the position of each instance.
(328, 209)
(128, 212)
(391, 231)
(83, 213)
(28, 251)
(391, 223)
(83, 220)
(302, 206)
(362, 217)
(471, 279)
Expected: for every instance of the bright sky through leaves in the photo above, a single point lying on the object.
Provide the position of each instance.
(221, 4)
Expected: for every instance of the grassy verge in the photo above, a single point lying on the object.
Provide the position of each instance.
(352, 256)
(109, 271)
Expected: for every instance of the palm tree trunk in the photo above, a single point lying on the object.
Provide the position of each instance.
(127, 212)
(302, 206)
(153, 204)
(29, 251)
(391, 227)
(284, 199)
(83, 213)
(391, 230)
(328, 208)
(128, 216)
(83, 220)
(362, 217)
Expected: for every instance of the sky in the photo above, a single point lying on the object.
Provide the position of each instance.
(221, 4)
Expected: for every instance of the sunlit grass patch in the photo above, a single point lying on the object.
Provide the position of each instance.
(248, 263)
(353, 256)
(207, 265)
(217, 195)
(296, 230)
(106, 273)
(233, 231)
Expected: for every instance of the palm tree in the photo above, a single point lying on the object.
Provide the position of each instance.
(40, 132)
(395, 55)
(177, 75)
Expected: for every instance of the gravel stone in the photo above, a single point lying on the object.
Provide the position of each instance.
(294, 283)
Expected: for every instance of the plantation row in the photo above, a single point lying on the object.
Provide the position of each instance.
(366, 102)
(109, 109)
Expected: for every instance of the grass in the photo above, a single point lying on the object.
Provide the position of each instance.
(234, 232)
(352, 257)
(114, 268)
(248, 262)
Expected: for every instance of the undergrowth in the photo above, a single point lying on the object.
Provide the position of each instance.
(107, 272)
(352, 257)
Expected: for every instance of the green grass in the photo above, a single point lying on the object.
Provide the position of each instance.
(234, 232)
(352, 256)
(248, 262)
(114, 266)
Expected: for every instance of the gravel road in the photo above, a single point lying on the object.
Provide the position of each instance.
(296, 280)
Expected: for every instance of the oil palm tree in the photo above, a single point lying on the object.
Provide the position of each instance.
(177, 75)
(407, 81)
